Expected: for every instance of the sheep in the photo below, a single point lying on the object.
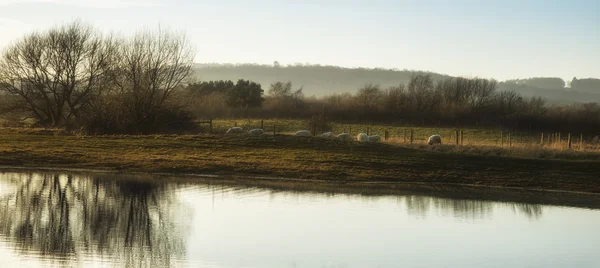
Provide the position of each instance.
(434, 139)
(362, 137)
(343, 136)
(328, 135)
(256, 132)
(374, 138)
(234, 130)
(302, 133)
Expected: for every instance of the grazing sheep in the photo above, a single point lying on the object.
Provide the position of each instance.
(234, 130)
(302, 133)
(343, 136)
(362, 137)
(328, 135)
(434, 139)
(256, 132)
(374, 138)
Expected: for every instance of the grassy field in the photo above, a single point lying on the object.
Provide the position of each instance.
(477, 141)
(285, 156)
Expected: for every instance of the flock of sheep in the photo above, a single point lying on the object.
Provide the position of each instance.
(434, 139)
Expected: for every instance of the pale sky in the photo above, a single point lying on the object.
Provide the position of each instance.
(499, 39)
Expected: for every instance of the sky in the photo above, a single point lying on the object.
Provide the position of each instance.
(491, 39)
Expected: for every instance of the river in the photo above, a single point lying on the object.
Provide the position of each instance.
(50, 219)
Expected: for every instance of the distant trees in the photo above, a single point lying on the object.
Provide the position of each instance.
(283, 94)
(586, 85)
(369, 96)
(209, 87)
(244, 94)
(540, 82)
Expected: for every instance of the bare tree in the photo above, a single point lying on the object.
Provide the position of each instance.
(420, 88)
(282, 94)
(152, 66)
(56, 74)
(368, 96)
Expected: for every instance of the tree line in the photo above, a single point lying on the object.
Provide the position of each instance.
(450, 102)
(75, 77)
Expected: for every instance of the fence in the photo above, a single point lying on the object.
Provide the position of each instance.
(420, 135)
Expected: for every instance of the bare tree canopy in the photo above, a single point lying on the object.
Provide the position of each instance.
(152, 66)
(57, 73)
(72, 71)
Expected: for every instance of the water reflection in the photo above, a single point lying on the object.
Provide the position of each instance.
(416, 205)
(58, 215)
(130, 221)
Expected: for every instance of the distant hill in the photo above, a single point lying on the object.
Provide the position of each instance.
(316, 79)
(552, 95)
(321, 80)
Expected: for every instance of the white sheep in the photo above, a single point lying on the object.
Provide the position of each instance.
(343, 136)
(374, 138)
(302, 133)
(328, 135)
(362, 137)
(234, 130)
(256, 132)
(434, 139)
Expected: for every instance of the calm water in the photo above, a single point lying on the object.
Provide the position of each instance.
(50, 220)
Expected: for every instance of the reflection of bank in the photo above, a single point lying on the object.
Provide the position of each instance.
(131, 222)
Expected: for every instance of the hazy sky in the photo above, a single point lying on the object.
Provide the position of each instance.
(500, 39)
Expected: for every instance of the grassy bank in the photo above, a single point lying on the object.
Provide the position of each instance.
(476, 141)
(304, 158)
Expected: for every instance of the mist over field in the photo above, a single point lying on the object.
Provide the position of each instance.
(320, 80)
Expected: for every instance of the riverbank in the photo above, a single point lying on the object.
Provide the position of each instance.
(299, 158)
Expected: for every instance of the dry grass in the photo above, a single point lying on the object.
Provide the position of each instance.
(480, 141)
(304, 158)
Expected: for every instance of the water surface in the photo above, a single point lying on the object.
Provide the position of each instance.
(83, 220)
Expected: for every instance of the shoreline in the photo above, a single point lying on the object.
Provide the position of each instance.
(438, 190)
(293, 159)
(253, 178)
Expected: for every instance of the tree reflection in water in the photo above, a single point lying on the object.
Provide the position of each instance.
(139, 222)
(134, 221)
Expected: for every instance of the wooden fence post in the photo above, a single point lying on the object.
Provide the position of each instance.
(569, 141)
(411, 136)
(456, 136)
(385, 134)
(461, 137)
(501, 138)
(235, 124)
(368, 130)
(542, 140)
(509, 140)
(581, 142)
(350, 131)
(559, 140)
(262, 126)
(314, 130)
